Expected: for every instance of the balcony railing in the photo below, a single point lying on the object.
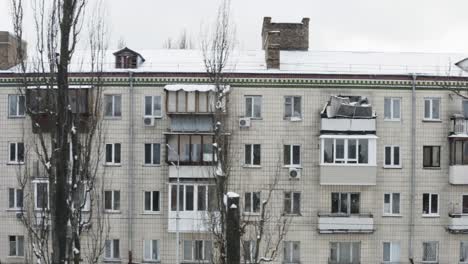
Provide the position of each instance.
(345, 223)
(458, 224)
(459, 125)
(364, 125)
(348, 174)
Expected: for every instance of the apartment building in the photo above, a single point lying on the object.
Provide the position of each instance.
(370, 150)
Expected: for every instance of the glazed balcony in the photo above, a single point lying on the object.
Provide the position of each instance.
(458, 167)
(193, 150)
(186, 99)
(345, 223)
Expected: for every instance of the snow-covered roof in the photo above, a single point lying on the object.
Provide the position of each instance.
(302, 62)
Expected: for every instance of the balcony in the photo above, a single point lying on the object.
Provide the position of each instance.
(190, 149)
(458, 174)
(348, 175)
(458, 167)
(458, 224)
(189, 221)
(190, 99)
(344, 223)
(459, 125)
(191, 172)
(347, 125)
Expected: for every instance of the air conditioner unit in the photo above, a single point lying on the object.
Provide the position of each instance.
(294, 173)
(148, 121)
(244, 122)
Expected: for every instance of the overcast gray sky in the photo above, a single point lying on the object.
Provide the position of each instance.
(377, 25)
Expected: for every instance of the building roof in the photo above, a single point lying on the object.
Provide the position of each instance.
(291, 62)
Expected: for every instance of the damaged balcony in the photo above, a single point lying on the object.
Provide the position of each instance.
(190, 99)
(345, 223)
(458, 141)
(40, 101)
(348, 142)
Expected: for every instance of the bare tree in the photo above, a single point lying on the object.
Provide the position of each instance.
(183, 42)
(60, 179)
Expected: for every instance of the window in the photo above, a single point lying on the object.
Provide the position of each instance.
(391, 203)
(345, 203)
(112, 200)
(345, 151)
(431, 156)
(153, 106)
(392, 109)
(197, 250)
(292, 155)
(151, 250)
(252, 154)
(292, 203)
(430, 252)
(292, 252)
(193, 197)
(430, 204)
(249, 247)
(113, 154)
(392, 157)
(253, 106)
(252, 202)
(345, 253)
(113, 105)
(112, 249)
(464, 204)
(16, 105)
(152, 154)
(16, 246)
(391, 252)
(152, 201)
(465, 108)
(16, 153)
(15, 198)
(463, 251)
(292, 107)
(41, 195)
(431, 108)
(458, 152)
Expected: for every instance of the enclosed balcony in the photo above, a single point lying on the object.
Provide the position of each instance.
(458, 224)
(190, 99)
(345, 223)
(458, 140)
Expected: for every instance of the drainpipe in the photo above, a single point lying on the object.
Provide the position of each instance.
(413, 169)
(131, 180)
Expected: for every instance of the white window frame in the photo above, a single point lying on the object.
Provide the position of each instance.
(193, 245)
(252, 211)
(110, 242)
(371, 150)
(16, 161)
(113, 115)
(252, 151)
(151, 154)
(184, 197)
(431, 114)
(393, 259)
(391, 213)
(153, 100)
(349, 203)
(113, 192)
(291, 155)
(437, 252)
(292, 203)
(436, 214)
(463, 242)
(289, 245)
(293, 117)
(17, 246)
(392, 157)
(15, 199)
(17, 114)
(113, 151)
(35, 182)
(250, 250)
(392, 114)
(151, 211)
(341, 244)
(151, 245)
(252, 106)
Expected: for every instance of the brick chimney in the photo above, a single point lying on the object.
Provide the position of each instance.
(272, 49)
(9, 50)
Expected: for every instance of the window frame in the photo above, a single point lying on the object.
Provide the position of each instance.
(158, 249)
(250, 250)
(152, 145)
(113, 202)
(112, 249)
(252, 106)
(431, 114)
(346, 161)
(348, 203)
(193, 250)
(153, 100)
(430, 214)
(251, 162)
(113, 111)
(437, 252)
(392, 117)
(17, 107)
(183, 197)
(392, 164)
(36, 182)
(463, 261)
(292, 203)
(18, 239)
(291, 156)
(289, 245)
(392, 245)
(252, 210)
(15, 199)
(151, 211)
(292, 117)
(17, 160)
(391, 213)
(339, 245)
(113, 153)
(432, 147)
